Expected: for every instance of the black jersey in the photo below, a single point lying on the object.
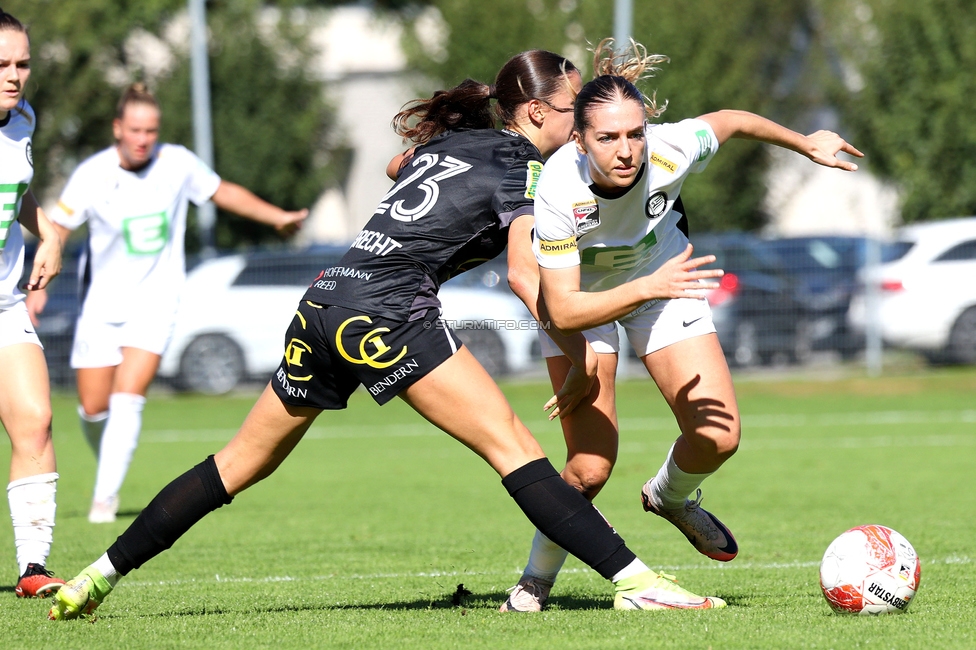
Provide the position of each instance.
(448, 211)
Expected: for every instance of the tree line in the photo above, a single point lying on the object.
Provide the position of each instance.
(892, 76)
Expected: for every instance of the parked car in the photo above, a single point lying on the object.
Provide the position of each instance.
(233, 315)
(928, 291)
(825, 272)
(235, 310)
(756, 313)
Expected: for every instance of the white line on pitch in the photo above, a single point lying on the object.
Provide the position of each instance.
(762, 566)
(749, 422)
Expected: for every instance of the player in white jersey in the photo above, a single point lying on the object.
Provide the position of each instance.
(134, 198)
(610, 247)
(25, 394)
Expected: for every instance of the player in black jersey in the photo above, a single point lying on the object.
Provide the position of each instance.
(373, 320)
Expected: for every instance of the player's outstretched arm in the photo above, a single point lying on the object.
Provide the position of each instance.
(821, 147)
(241, 201)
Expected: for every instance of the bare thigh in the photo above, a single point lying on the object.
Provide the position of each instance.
(590, 430)
(459, 397)
(269, 433)
(133, 376)
(25, 409)
(694, 378)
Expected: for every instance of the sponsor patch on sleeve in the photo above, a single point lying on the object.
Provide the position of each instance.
(532, 178)
(554, 248)
(662, 162)
(704, 144)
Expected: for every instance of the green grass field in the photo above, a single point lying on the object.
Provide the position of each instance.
(362, 537)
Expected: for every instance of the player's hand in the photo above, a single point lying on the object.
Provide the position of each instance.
(679, 277)
(290, 222)
(579, 383)
(35, 301)
(824, 147)
(47, 263)
(576, 387)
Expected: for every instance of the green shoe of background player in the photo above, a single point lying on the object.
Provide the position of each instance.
(80, 595)
(650, 590)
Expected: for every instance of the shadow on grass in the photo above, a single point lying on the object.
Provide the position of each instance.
(481, 602)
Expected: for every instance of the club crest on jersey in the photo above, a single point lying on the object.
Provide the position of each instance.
(657, 205)
(532, 178)
(587, 216)
(30, 153)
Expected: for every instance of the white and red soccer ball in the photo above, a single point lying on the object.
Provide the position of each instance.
(870, 570)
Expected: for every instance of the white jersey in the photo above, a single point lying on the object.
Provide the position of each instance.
(617, 239)
(16, 172)
(136, 227)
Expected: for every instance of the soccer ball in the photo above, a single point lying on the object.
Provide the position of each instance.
(870, 570)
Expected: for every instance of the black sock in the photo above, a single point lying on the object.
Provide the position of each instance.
(175, 509)
(567, 518)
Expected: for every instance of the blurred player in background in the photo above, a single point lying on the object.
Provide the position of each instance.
(25, 392)
(374, 319)
(134, 197)
(610, 229)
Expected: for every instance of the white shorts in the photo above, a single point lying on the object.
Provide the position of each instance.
(99, 345)
(15, 327)
(651, 327)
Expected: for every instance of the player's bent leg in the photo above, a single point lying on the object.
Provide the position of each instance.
(702, 398)
(590, 431)
(460, 398)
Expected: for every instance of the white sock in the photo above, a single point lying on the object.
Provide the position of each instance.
(631, 569)
(545, 559)
(672, 485)
(32, 508)
(93, 426)
(104, 566)
(118, 443)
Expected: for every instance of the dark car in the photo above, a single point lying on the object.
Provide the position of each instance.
(825, 270)
(755, 309)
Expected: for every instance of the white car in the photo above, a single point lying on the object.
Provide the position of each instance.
(928, 291)
(235, 310)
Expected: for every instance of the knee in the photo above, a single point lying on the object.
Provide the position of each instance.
(588, 477)
(30, 430)
(727, 442)
(93, 405)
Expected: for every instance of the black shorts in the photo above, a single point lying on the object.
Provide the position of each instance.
(330, 351)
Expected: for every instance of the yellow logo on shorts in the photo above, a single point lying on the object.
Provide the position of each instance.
(373, 337)
(293, 357)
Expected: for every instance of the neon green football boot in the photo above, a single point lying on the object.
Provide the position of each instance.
(80, 596)
(650, 590)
